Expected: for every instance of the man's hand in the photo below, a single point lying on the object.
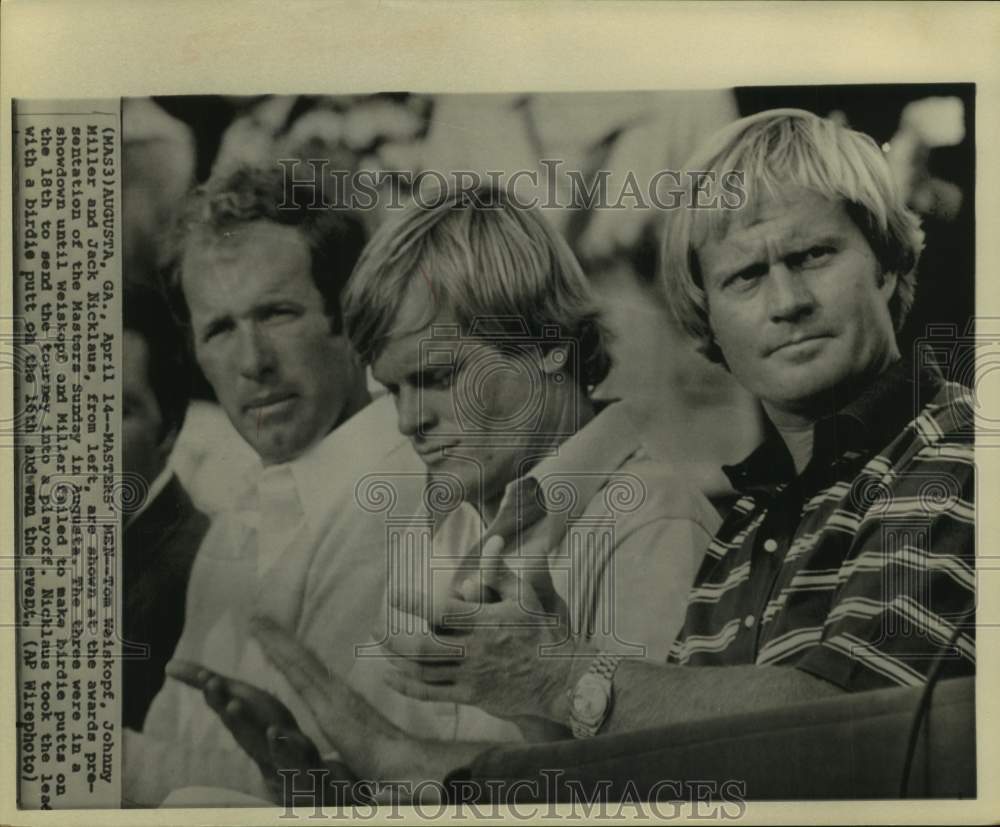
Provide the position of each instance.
(504, 666)
(374, 746)
(260, 723)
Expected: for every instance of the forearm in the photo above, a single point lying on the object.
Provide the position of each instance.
(377, 749)
(649, 694)
(355, 727)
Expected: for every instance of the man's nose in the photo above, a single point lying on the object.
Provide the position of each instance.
(790, 298)
(256, 353)
(415, 416)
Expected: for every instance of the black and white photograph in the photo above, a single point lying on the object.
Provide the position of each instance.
(493, 454)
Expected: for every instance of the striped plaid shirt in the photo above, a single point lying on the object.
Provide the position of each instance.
(859, 570)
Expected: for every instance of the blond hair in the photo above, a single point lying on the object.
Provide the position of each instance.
(495, 264)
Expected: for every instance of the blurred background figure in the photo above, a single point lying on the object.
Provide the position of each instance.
(159, 158)
(163, 529)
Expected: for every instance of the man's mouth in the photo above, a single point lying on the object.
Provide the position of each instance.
(432, 454)
(269, 403)
(797, 341)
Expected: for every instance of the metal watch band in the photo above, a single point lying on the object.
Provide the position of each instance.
(603, 668)
(605, 665)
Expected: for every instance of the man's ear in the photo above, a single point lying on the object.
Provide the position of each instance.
(887, 284)
(555, 360)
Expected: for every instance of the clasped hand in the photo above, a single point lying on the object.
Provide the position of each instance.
(497, 638)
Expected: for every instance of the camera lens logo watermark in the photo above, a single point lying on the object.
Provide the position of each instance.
(972, 360)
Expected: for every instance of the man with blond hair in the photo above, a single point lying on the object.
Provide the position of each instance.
(478, 319)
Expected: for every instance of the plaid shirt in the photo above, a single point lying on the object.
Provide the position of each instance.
(859, 569)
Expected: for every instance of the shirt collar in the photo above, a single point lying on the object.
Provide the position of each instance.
(593, 452)
(867, 423)
(319, 473)
(587, 458)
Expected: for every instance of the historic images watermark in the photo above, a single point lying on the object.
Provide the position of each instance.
(313, 794)
(312, 184)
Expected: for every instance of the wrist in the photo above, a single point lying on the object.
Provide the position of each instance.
(558, 703)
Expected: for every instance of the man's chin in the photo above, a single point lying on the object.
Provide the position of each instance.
(812, 392)
(277, 448)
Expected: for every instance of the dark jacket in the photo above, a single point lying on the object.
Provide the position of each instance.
(159, 550)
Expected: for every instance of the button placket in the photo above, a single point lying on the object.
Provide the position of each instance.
(778, 529)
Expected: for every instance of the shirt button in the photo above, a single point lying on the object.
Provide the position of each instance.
(749, 621)
(770, 545)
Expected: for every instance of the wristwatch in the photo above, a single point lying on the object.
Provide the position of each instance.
(590, 700)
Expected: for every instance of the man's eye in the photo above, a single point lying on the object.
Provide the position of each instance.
(280, 313)
(746, 276)
(438, 379)
(814, 255)
(215, 329)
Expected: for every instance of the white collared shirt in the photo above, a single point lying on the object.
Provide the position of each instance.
(326, 586)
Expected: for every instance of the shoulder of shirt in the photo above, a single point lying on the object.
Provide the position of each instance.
(365, 439)
(944, 427)
(374, 427)
(936, 447)
(665, 492)
(367, 443)
(953, 411)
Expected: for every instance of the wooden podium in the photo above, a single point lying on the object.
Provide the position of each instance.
(852, 746)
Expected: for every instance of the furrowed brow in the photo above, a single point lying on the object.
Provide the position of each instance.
(739, 262)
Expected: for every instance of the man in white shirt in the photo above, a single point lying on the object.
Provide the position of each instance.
(259, 287)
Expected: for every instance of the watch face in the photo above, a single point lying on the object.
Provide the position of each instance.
(590, 700)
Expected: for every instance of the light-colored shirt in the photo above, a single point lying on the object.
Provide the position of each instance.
(321, 576)
(212, 461)
(619, 537)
